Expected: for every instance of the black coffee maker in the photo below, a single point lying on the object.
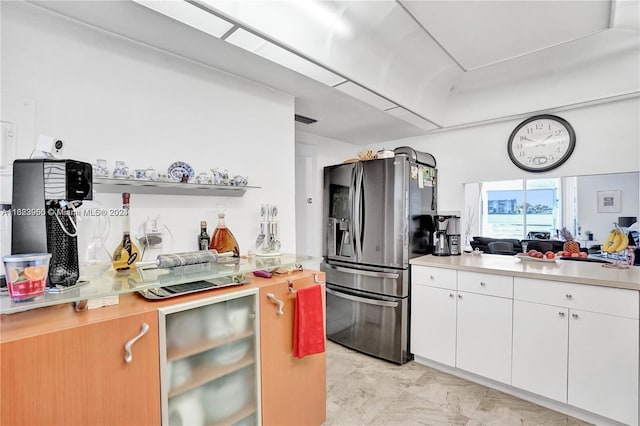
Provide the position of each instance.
(45, 195)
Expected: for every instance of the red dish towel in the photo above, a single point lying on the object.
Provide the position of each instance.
(308, 322)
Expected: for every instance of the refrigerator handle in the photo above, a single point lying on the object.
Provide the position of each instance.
(357, 218)
(362, 299)
(374, 274)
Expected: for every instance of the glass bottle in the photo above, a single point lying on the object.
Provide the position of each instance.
(222, 239)
(126, 253)
(203, 239)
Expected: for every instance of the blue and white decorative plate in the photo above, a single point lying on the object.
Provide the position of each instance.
(179, 169)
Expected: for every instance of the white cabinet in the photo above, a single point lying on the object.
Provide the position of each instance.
(433, 324)
(471, 329)
(603, 365)
(484, 336)
(578, 344)
(209, 360)
(540, 349)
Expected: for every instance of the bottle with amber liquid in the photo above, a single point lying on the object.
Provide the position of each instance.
(126, 253)
(203, 238)
(222, 239)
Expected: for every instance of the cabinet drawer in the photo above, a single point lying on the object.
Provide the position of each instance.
(493, 285)
(434, 277)
(605, 300)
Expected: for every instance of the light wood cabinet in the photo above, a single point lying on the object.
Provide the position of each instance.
(293, 390)
(79, 376)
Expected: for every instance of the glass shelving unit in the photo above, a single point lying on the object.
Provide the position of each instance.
(110, 282)
(134, 186)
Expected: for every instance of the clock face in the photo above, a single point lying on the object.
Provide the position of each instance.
(541, 143)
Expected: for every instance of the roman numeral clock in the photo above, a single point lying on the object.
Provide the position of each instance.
(541, 143)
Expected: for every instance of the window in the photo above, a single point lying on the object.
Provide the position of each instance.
(520, 208)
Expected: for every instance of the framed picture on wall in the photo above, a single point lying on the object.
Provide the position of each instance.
(609, 201)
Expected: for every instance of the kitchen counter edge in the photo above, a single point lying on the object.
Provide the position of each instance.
(561, 270)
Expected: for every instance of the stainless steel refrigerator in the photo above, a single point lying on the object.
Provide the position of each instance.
(378, 214)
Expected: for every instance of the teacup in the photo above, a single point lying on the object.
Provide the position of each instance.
(121, 170)
(151, 174)
(140, 174)
(203, 178)
(239, 181)
(100, 168)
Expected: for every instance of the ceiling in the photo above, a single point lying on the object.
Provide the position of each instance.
(373, 71)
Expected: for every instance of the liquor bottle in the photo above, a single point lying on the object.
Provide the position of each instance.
(203, 238)
(222, 239)
(126, 253)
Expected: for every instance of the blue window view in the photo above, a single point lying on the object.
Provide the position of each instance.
(517, 213)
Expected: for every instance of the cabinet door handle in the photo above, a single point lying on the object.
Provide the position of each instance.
(128, 356)
(274, 300)
(482, 283)
(450, 294)
(568, 296)
(574, 315)
(431, 277)
(561, 314)
(459, 296)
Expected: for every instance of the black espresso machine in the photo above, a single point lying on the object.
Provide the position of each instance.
(45, 195)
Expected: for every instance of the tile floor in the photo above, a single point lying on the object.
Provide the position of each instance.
(362, 390)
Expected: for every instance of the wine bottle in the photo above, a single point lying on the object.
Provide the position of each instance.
(203, 238)
(222, 239)
(126, 253)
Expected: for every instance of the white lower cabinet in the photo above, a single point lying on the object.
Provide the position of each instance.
(209, 360)
(540, 349)
(573, 343)
(603, 365)
(433, 331)
(484, 336)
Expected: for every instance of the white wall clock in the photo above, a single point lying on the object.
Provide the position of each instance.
(541, 143)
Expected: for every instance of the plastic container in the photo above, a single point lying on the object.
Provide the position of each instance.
(26, 275)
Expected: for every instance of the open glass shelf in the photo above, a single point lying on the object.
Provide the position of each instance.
(134, 186)
(111, 283)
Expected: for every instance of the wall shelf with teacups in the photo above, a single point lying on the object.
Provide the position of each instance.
(111, 185)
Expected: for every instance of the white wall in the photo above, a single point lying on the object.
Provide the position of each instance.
(600, 223)
(114, 99)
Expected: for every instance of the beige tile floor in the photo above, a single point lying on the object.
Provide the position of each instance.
(362, 390)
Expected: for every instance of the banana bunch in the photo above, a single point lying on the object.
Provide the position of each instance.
(616, 241)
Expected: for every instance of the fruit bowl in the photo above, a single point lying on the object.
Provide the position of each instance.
(26, 275)
(526, 258)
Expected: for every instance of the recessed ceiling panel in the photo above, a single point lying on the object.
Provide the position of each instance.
(365, 95)
(190, 15)
(268, 50)
(480, 33)
(410, 117)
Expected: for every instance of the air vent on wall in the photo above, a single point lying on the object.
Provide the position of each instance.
(304, 120)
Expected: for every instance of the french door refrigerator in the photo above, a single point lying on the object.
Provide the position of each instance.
(378, 215)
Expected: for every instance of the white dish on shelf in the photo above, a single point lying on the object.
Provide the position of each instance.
(231, 352)
(179, 169)
(526, 258)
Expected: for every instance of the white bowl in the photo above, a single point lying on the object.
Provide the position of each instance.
(215, 321)
(238, 314)
(184, 328)
(226, 395)
(179, 372)
(231, 352)
(186, 409)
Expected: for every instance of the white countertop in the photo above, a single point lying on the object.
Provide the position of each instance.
(560, 270)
